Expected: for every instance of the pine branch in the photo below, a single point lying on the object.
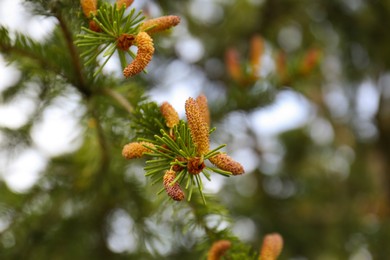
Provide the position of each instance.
(80, 83)
(25, 47)
(200, 212)
(45, 58)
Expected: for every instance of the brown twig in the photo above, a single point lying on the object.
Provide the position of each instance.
(78, 69)
(383, 142)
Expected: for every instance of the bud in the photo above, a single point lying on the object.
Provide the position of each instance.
(203, 108)
(170, 114)
(89, 7)
(226, 163)
(124, 41)
(94, 26)
(143, 57)
(198, 128)
(218, 249)
(174, 191)
(281, 67)
(256, 51)
(232, 61)
(135, 149)
(160, 24)
(121, 3)
(310, 61)
(195, 165)
(272, 247)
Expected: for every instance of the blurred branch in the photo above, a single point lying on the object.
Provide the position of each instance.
(43, 63)
(24, 46)
(119, 98)
(383, 142)
(105, 157)
(199, 217)
(200, 213)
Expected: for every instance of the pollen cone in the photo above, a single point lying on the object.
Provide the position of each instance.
(135, 149)
(198, 127)
(174, 191)
(218, 249)
(143, 57)
(272, 246)
(226, 163)
(89, 7)
(126, 3)
(170, 114)
(160, 24)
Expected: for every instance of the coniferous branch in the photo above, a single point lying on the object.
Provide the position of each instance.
(74, 201)
(200, 218)
(80, 83)
(111, 30)
(201, 211)
(178, 149)
(115, 32)
(25, 47)
(147, 120)
(42, 55)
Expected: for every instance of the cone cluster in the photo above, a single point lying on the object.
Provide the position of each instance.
(182, 150)
(110, 25)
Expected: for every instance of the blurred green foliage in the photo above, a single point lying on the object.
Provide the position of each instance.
(324, 186)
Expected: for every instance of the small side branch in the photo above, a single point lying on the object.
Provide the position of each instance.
(119, 98)
(104, 147)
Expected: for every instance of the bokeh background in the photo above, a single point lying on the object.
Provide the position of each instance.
(299, 90)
